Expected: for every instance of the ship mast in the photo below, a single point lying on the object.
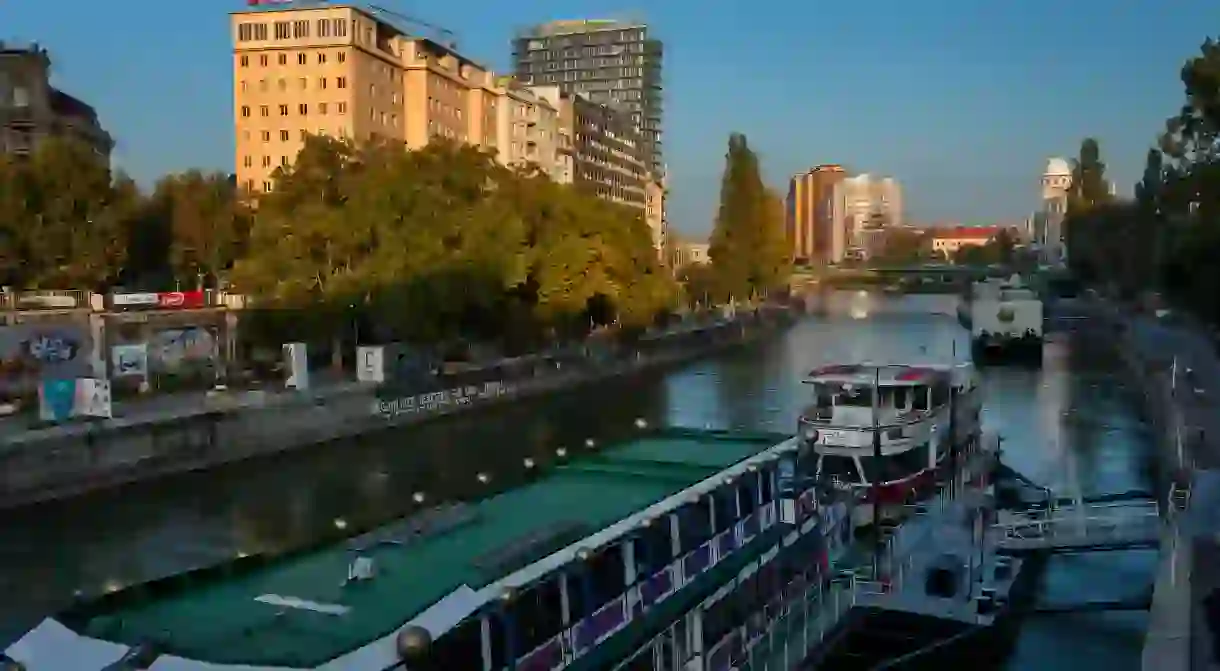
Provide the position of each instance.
(877, 470)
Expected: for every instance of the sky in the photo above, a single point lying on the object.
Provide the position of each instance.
(962, 101)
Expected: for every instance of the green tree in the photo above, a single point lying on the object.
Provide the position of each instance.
(747, 247)
(206, 221)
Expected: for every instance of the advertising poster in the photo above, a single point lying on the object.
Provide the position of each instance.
(56, 400)
(370, 362)
(93, 398)
(296, 366)
(129, 360)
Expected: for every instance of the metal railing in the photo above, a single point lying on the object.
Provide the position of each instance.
(1087, 525)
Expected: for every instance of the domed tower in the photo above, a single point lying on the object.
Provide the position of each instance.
(1056, 179)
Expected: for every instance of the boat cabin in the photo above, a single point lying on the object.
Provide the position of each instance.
(860, 396)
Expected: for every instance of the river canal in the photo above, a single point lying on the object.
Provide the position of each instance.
(1067, 425)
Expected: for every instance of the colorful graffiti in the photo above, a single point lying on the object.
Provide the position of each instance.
(177, 350)
(32, 352)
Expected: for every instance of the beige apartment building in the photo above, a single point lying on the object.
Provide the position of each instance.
(529, 124)
(341, 71)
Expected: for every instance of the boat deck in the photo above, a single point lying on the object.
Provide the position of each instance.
(297, 612)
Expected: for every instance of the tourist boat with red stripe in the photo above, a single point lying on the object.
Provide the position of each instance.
(888, 432)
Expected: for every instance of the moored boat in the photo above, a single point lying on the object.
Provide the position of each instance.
(887, 432)
(596, 559)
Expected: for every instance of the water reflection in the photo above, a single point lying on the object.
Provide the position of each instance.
(1072, 406)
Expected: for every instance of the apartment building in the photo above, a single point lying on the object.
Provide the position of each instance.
(343, 71)
(655, 215)
(613, 63)
(808, 213)
(31, 109)
(528, 124)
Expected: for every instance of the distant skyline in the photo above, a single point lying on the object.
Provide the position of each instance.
(961, 101)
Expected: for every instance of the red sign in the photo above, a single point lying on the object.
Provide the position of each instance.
(177, 300)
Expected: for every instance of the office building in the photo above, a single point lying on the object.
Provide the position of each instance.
(342, 71)
(807, 214)
(31, 109)
(613, 63)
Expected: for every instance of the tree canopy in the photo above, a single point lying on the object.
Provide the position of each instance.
(748, 247)
(433, 245)
(1167, 237)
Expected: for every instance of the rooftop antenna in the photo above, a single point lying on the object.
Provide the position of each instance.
(441, 34)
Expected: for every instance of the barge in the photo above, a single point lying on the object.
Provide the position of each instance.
(648, 552)
(1006, 320)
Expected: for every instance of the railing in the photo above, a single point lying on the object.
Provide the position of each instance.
(1111, 524)
(917, 429)
(566, 647)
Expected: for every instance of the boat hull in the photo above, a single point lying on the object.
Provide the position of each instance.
(1001, 349)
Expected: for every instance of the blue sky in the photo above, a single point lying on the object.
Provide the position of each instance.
(961, 100)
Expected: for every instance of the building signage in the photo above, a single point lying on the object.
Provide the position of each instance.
(133, 300)
(179, 300)
(436, 400)
(41, 301)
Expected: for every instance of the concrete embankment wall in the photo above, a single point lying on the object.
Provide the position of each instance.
(63, 461)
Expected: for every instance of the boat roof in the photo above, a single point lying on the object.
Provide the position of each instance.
(888, 375)
(293, 611)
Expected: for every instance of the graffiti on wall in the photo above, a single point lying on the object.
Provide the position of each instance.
(181, 350)
(30, 352)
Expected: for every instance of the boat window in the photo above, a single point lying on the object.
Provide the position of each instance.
(835, 466)
(499, 646)
(767, 486)
(694, 525)
(653, 548)
(896, 397)
(725, 502)
(940, 394)
(919, 400)
(855, 396)
(460, 647)
(895, 466)
(823, 395)
(718, 620)
(539, 613)
(607, 575)
(747, 494)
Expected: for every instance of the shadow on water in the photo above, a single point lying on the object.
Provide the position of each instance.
(1070, 408)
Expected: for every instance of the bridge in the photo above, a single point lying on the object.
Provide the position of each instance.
(931, 273)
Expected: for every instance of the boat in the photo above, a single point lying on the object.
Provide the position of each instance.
(1005, 321)
(600, 558)
(916, 417)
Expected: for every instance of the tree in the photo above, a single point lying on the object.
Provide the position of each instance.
(903, 247)
(747, 248)
(207, 224)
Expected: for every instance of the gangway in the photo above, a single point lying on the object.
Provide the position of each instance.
(1080, 527)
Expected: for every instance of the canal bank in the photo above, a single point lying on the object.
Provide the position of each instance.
(68, 460)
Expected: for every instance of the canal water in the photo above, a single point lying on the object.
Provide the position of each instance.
(1068, 426)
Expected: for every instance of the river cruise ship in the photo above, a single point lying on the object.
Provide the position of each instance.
(913, 416)
(625, 555)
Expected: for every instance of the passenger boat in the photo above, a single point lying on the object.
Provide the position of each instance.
(913, 416)
(621, 556)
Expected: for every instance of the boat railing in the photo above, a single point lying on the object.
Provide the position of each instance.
(917, 429)
(569, 645)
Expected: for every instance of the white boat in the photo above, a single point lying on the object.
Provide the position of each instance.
(1005, 320)
(901, 411)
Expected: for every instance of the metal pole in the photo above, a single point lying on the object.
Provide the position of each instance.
(876, 391)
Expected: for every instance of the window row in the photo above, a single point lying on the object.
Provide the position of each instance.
(302, 83)
(302, 108)
(299, 29)
(264, 60)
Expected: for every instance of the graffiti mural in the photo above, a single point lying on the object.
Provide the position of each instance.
(182, 350)
(30, 352)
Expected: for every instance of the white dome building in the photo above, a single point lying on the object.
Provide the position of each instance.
(1056, 179)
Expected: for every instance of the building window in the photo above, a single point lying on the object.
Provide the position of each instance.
(244, 61)
(245, 32)
(245, 110)
(283, 30)
(340, 30)
(267, 186)
(302, 59)
(321, 108)
(304, 135)
(263, 110)
(283, 59)
(266, 136)
(284, 161)
(300, 29)
(304, 83)
(342, 108)
(266, 161)
(394, 120)
(248, 161)
(262, 84)
(342, 57)
(322, 82)
(303, 108)
(243, 86)
(262, 60)
(341, 82)
(323, 27)
(283, 110)
(283, 136)
(321, 59)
